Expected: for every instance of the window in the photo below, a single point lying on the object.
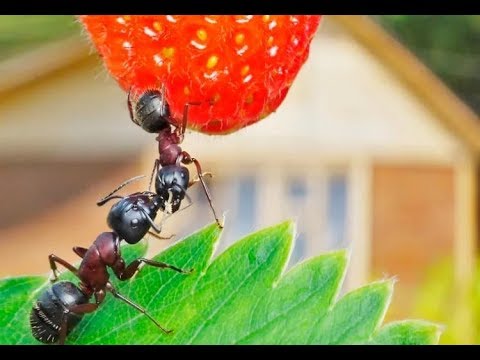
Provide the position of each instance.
(297, 195)
(235, 195)
(245, 214)
(299, 252)
(336, 211)
(318, 202)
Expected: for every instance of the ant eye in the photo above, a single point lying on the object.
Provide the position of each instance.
(134, 223)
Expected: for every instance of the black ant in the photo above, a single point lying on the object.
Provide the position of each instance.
(59, 309)
(152, 113)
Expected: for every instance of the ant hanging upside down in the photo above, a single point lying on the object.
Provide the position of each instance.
(59, 309)
(152, 113)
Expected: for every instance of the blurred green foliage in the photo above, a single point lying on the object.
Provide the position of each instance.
(21, 32)
(448, 44)
(438, 300)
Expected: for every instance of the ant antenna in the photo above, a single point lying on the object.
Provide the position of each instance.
(190, 202)
(165, 216)
(106, 198)
(152, 223)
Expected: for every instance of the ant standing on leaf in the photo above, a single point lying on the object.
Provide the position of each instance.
(59, 309)
(152, 113)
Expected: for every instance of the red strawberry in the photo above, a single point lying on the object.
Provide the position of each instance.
(240, 67)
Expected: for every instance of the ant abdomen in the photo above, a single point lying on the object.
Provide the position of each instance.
(51, 311)
(152, 111)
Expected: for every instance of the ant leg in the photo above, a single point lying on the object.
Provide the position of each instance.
(108, 197)
(80, 310)
(187, 159)
(184, 120)
(76, 309)
(155, 168)
(197, 179)
(84, 308)
(53, 259)
(63, 329)
(125, 273)
(136, 263)
(99, 296)
(130, 108)
(115, 293)
(181, 132)
(80, 251)
(161, 265)
(161, 237)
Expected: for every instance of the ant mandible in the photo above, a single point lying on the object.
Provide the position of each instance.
(59, 309)
(152, 113)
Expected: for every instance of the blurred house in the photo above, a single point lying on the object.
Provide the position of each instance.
(369, 151)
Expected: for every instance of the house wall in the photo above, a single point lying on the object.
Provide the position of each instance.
(412, 218)
(74, 220)
(33, 188)
(73, 113)
(414, 225)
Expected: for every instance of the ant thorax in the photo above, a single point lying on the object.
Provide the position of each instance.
(168, 146)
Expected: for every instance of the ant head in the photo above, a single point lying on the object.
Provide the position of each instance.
(151, 111)
(132, 216)
(171, 185)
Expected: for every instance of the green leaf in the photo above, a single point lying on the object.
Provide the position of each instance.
(408, 332)
(17, 295)
(355, 317)
(244, 296)
(19, 33)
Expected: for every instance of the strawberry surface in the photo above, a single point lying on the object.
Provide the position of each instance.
(239, 67)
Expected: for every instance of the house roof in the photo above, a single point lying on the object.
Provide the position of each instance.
(461, 120)
(41, 61)
(419, 79)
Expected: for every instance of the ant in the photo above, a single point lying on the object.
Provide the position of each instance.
(152, 113)
(59, 309)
